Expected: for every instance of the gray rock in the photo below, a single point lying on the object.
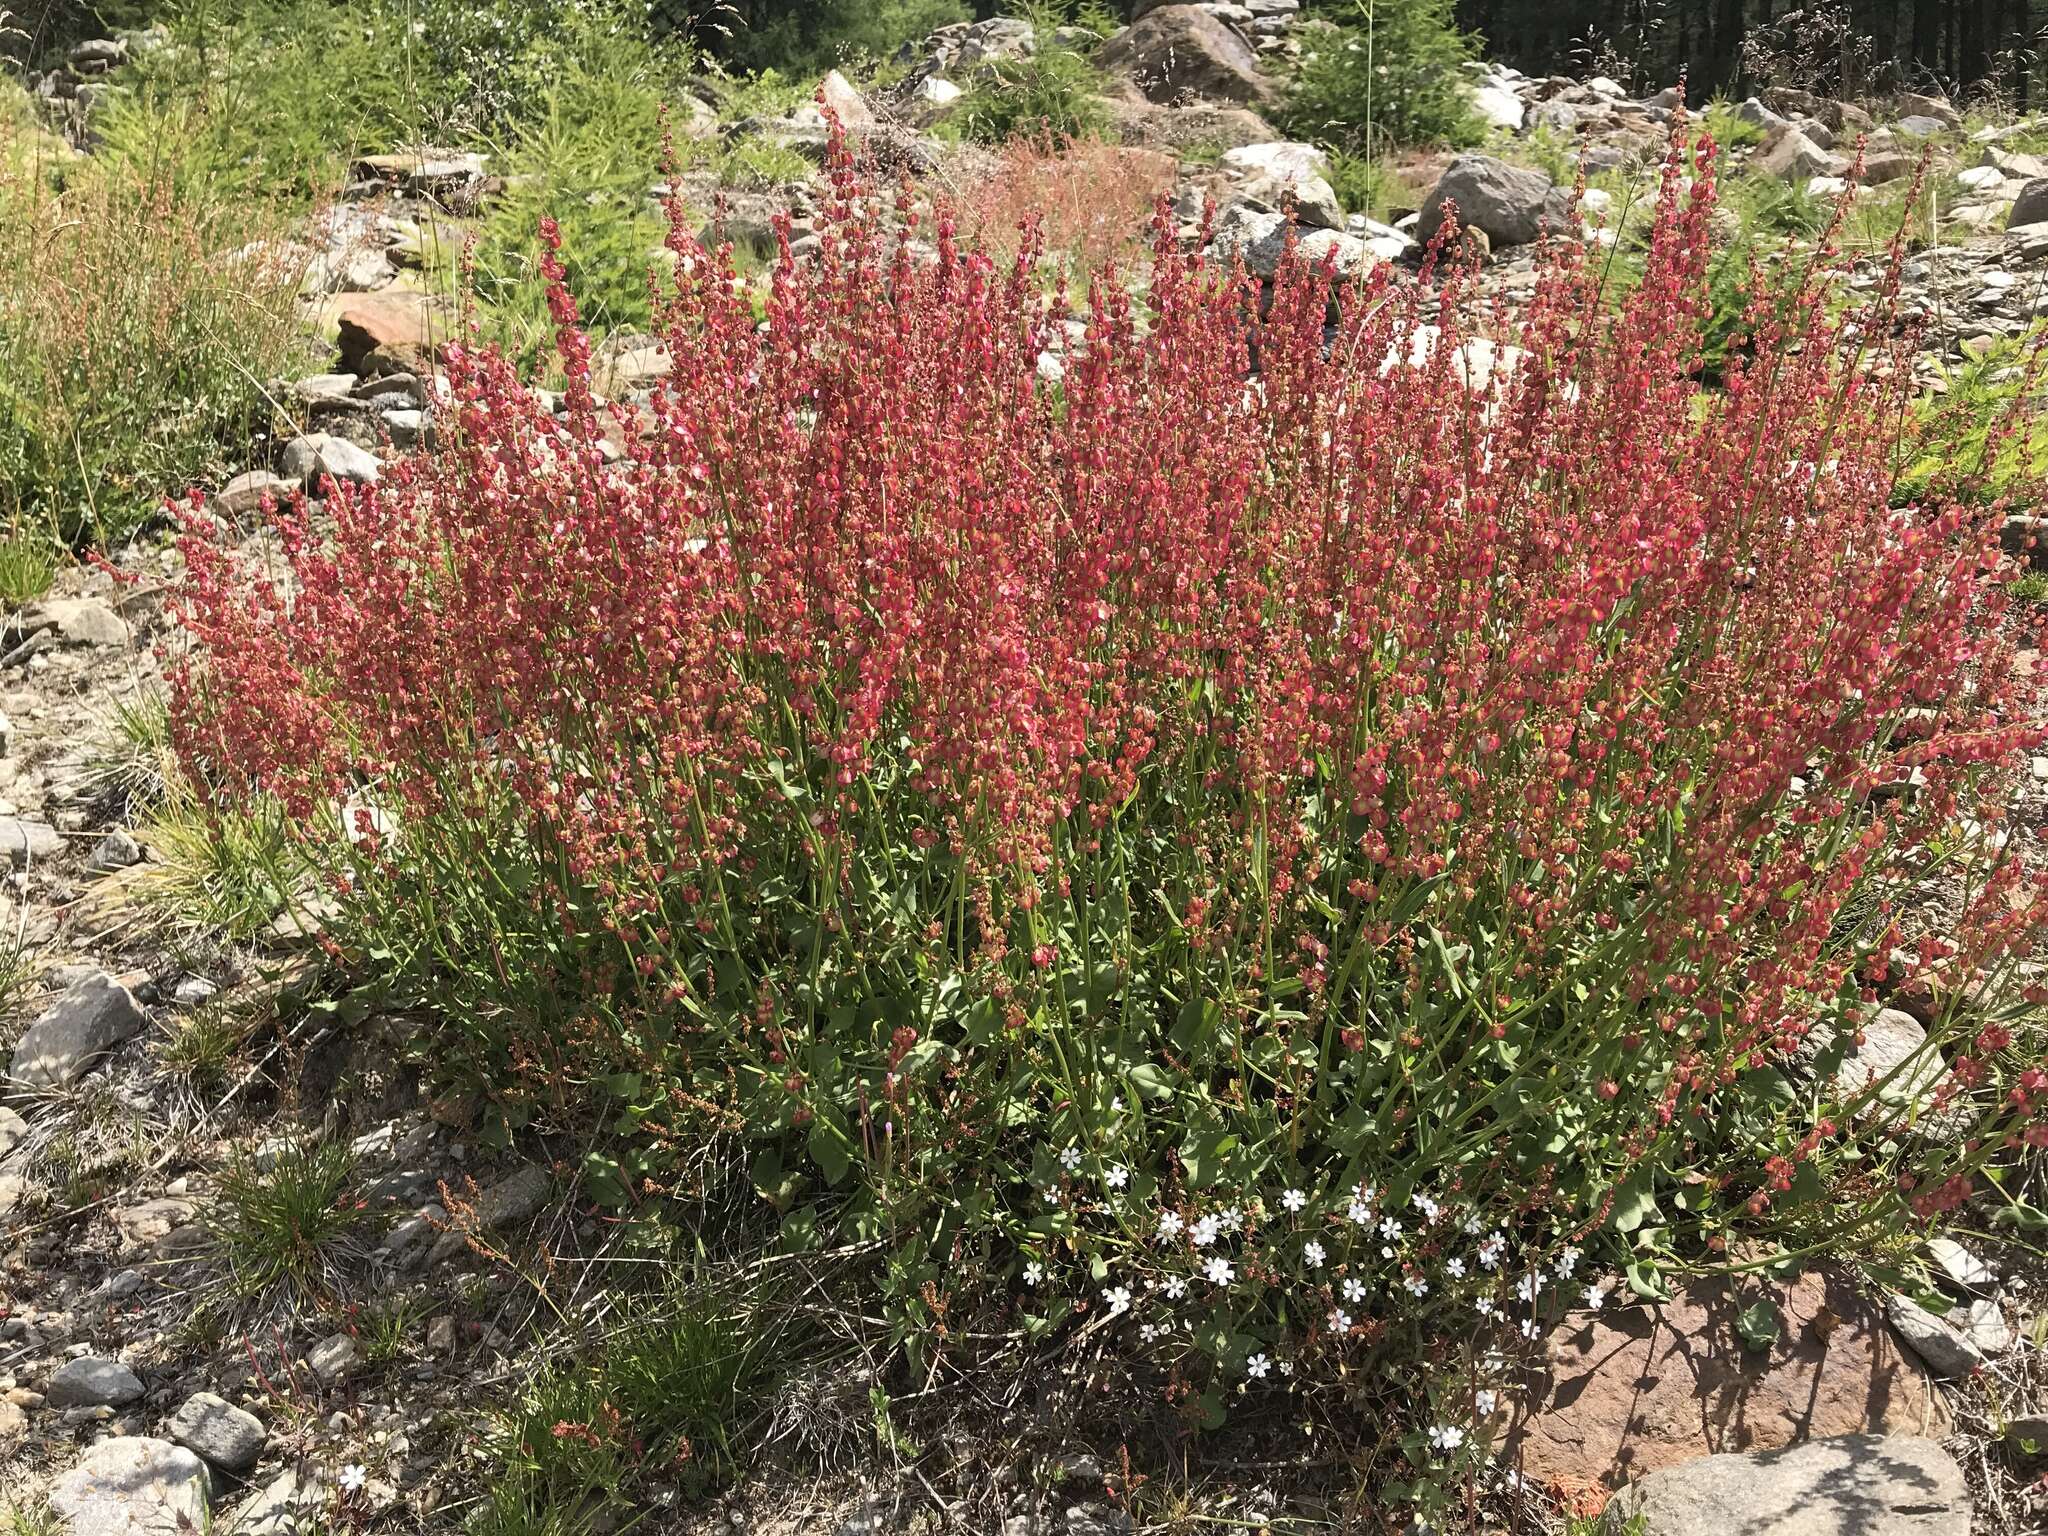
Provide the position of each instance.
(1855, 1485)
(1891, 1039)
(513, 1198)
(1281, 173)
(325, 386)
(1511, 204)
(1966, 1274)
(1097, 1520)
(243, 495)
(1181, 50)
(29, 842)
(84, 1024)
(117, 850)
(318, 456)
(93, 1382)
(1982, 1323)
(1790, 155)
(2030, 206)
(1947, 1352)
(332, 1358)
(133, 1486)
(229, 1437)
(1758, 115)
(84, 621)
(1919, 126)
(295, 1503)
(12, 1129)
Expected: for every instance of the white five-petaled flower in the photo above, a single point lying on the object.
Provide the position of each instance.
(1485, 1306)
(1232, 1219)
(1218, 1270)
(1257, 1366)
(1529, 1329)
(1070, 1159)
(1360, 1213)
(1170, 1226)
(1293, 1200)
(1340, 1320)
(1596, 1296)
(1175, 1288)
(1390, 1229)
(1567, 1261)
(1052, 1194)
(353, 1476)
(1417, 1286)
(1354, 1289)
(1528, 1286)
(1033, 1272)
(1484, 1401)
(1119, 1298)
(1313, 1254)
(1446, 1438)
(1206, 1231)
(1115, 1175)
(1455, 1268)
(1429, 1208)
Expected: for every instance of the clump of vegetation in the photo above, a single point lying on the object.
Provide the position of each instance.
(1390, 72)
(1985, 437)
(1240, 874)
(1081, 201)
(1054, 91)
(139, 311)
(288, 1221)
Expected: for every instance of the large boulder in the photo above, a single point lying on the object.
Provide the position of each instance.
(1281, 173)
(75, 1031)
(1512, 205)
(406, 328)
(133, 1486)
(1631, 1389)
(2030, 207)
(1183, 50)
(1789, 154)
(1858, 1485)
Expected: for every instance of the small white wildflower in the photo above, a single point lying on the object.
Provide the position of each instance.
(1170, 1226)
(1528, 1286)
(1596, 1297)
(1052, 1194)
(1119, 1299)
(1232, 1219)
(1429, 1208)
(1474, 1224)
(1070, 1159)
(1147, 1332)
(353, 1476)
(1340, 1320)
(1484, 1401)
(1446, 1438)
(1033, 1272)
(1294, 1200)
(1257, 1366)
(1116, 1175)
(1218, 1270)
(1391, 1229)
(1567, 1261)
(1354, 1290)
(1175, 1288)
(1116, 1105)
(1206, 1231)
(1455, 1268)
(1360, 1213)
(1417, 1286)
(1286, 1367)
(1529, 1329)
(1313, 1254)
(1485, 1306)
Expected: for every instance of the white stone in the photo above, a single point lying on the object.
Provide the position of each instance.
(133, 1486)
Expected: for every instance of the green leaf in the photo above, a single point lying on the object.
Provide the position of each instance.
(1633, 1202)
(1759, 1325)
(1152, 1080)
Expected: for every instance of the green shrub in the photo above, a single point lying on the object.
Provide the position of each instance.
(1390, 73)
(808, 36)
(1985, 436)
(288, 1223)
(1054, 92)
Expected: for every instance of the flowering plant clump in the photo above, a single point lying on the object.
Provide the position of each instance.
(1289, 843)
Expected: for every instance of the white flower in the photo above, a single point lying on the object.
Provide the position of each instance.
(1490, 1251)
(1596, 1296)
(1218, 1270)
(1567, 1261)
(1360, 1213)
(1116, 1104)
(1367, 1194)
(1417, 1286)
(1354, 1290)
(1429, 1208)
(1529, 1329)
(1528, 1286)
(1340, 1320)
(1446, 1438)
(1286, 1367)
(1294, 1200)
(1485, 1306)
(1115, 1175)
(1474, 1224)
(1052, 1194)
(1390, 1229)
(1257, 1366)
(1119, 1299)
(1205, 1231)
(1175, 1288)
(1147, 1332)
(1170, 1226)
(1233, 1218)
(352, 1478)
(1313, 1254)
(1484, 1401)
(1070, 1159)
(1033, 1272)
(1455, 1268)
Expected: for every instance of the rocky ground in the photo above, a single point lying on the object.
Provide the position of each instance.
(161, 1067)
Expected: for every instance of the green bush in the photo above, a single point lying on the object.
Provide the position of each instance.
(806, 36)
(1055, 91)
(1391, 72)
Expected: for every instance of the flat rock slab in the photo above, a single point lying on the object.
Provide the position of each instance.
(92, 1382)
(1858, 1485)
(1635, 1389)
(133, 1486)
(84, 1024)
